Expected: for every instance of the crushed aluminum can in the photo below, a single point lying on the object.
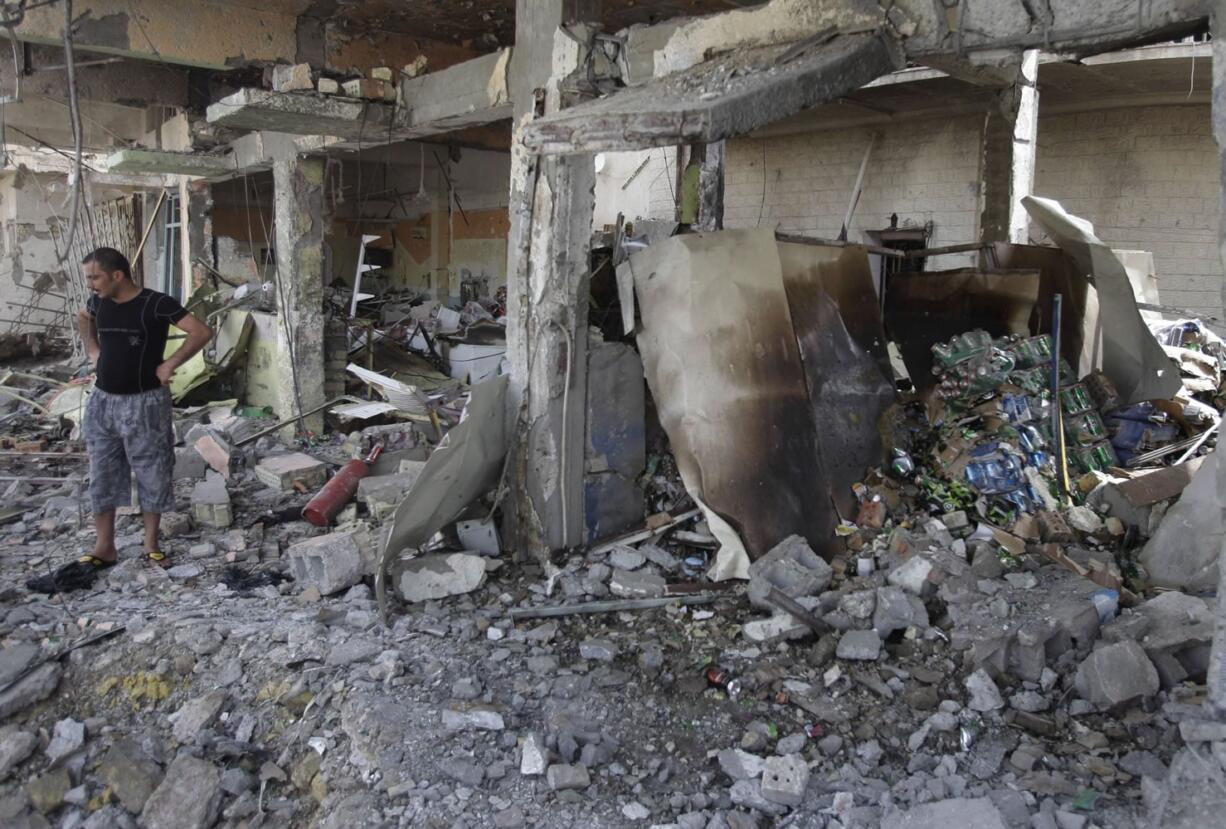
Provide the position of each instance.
(721, 678)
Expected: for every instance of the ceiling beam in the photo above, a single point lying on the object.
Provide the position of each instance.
(201, 33)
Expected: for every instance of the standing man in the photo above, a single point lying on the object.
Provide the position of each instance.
(128, 427)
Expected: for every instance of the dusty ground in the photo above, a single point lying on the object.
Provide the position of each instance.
(277, 707)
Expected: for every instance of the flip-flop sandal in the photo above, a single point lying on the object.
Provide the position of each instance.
(158, 558)
(100, 563)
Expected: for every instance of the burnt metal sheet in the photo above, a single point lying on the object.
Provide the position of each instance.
(724, 367)
(843, 350)
(727, 95)
(1131, 357)
(929, 307)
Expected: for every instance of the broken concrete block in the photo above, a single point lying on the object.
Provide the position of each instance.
(1083, 519)
(912, 575)
(985, 696)
(34, 687)
(370, 89)
(978, 812)
(1053, 528)
(382, 494)
(740, 765)
(215, 451)
(472, 718)
(563, 777)
(533, 756)
(283, 471)
(286, 78)
(636, 584)
(67, 738)
(197, 714)
(14, 749)
(418, 67)
(1116, 675)
(1176, 632)
(1184, 551)
(211, 502)
(439, 576)
(382, 73)
(863, 645)
(792, 568)
(777, 627)
(331, 562)
(327, 86)
(188, 797)
(784, 779)
(897, 610)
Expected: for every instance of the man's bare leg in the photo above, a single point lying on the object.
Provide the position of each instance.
(104, 527)
(153, 521)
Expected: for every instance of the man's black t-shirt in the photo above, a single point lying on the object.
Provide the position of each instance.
(132, 338)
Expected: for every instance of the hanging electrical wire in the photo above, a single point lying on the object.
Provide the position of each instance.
(74, 116)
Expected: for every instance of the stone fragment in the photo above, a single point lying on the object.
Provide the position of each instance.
(327, 86)
(463, 771)
(472, 718)
(636, 584)
(1116, 675)
(791, 567)
(985, 696)
(957, 813)
(130, 773)
(774, 628)
(864, 645)
(283, 472)
(67, 738)
(291, 78)
(1185, 550)
(370, 89)
(561, 777)
(626, 558)
(896, 610)
(440, 575)
(601, 650)
(635, 811)
(352, 650)
(784, 779)
(188, 797)
(1083, 519)
(740, 765)
(748, 793)
(34, 687)
(211, 502)
(332, 562)
(195, 715)
(382, 494)
(14, 749)
(47, 791)
(534, 756)
(911, 575)
(189, 465)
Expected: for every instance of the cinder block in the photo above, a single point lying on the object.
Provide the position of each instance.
(282, 471)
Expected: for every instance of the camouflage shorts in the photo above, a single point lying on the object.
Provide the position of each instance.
(130, 434)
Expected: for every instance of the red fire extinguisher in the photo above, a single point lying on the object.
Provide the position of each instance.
(337, 492)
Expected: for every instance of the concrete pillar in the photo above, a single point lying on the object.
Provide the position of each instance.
(1007, 162)
(298, 205)
(196, 204)
(547, 291)
(711, 188)
(1217, 664)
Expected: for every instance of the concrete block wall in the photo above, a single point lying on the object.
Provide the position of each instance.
(1148, 179)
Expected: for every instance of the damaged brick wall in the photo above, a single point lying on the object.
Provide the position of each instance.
(1146, 179)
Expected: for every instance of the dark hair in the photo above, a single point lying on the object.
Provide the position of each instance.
(110, 260)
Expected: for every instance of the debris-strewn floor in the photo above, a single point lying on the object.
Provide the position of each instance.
(282, 708)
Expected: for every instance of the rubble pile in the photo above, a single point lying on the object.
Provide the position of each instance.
(988, 650)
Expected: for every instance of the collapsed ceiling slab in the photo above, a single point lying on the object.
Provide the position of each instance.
(302, 114)
(164, 162)
(721, 97)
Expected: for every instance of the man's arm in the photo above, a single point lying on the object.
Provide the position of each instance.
(87, 326)
(198, 336)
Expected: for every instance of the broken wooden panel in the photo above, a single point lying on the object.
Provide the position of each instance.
(724, 368)
(930, 307)
(727, 95)
(842, 346)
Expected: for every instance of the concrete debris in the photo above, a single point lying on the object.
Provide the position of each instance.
(859, 645)
(130, 773)
(189, 796)
(791, 567)
(956, 813)
(292, 471)
(15, 747)
(438, 576)
(634, 584)
(985, 696)
(784, 779)
(67, 739)
(1116, 675)
(292, 78)
(332, 562)
(211, 502)
(562, 777)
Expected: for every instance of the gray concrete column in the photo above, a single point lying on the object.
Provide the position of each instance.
(298, 204)
(196, 200)
(711, 188)
(1217, 663)
(547, 296)
(1008, 156)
